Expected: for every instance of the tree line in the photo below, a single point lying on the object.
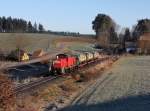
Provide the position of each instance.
(19, 25)
(16, 25)
(104, 25)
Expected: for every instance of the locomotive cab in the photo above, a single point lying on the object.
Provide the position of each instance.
(63, 63)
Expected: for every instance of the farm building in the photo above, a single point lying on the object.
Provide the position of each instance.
(144, 44)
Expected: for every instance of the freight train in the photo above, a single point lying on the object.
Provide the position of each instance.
(70, 61)
(61, 64)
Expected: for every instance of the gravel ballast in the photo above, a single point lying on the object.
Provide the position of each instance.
(126, 87)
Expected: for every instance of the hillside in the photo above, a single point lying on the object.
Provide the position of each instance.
(31, 42)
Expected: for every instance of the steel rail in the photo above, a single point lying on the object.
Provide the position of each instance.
(26, 87)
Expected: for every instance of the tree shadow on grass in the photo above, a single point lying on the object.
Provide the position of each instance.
(132, 103)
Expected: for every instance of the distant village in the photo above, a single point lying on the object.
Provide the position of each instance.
(136, 40)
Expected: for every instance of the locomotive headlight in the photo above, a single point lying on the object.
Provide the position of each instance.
(50, 68)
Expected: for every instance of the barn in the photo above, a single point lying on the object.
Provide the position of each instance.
(144, 44)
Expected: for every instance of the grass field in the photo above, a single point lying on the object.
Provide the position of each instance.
(48, 42)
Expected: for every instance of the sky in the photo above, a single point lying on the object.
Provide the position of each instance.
(75, 15)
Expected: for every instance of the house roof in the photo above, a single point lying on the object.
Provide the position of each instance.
(145, 36)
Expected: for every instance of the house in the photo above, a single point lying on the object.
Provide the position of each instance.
(130, 46)
(144, 44)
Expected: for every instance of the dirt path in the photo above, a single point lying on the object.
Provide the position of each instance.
(126, 87)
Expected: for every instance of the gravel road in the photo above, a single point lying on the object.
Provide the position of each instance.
(126, 87)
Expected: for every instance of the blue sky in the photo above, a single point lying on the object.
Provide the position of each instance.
(75, 15)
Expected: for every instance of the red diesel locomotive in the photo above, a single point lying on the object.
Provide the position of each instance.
(67, 62)
(63, 62)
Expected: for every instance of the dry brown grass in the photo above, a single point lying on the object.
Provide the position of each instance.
(68, 86)
(50, 93)
(37, 100)
(94, 72)
(7, 100)
(75, 39)
(29, 103)
(76, 77)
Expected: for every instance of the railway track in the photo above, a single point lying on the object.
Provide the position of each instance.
(26, 87)
(31, 85)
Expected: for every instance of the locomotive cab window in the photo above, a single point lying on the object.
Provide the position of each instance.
(61, 56)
